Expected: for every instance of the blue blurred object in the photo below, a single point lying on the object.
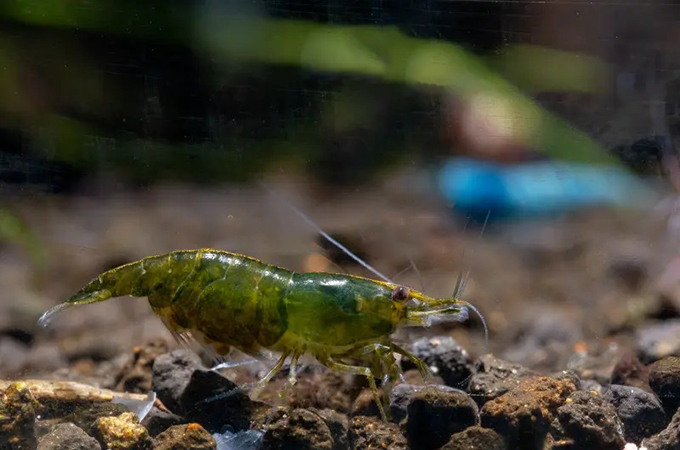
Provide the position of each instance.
(477, 188)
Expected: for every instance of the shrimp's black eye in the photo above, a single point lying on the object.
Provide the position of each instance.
(400, 294)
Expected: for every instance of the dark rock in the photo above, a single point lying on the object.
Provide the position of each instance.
(158, 421)
(437, 412)
(475, 438)
(522, 415)
(298, 429)
(370, 432)
(67, 436)
(668, 439)
(213, 401)
(641, 412)
(338, 423)
(493, 377)
(664, 379)
(445, 357)
(121, 433)
(137, 374)
(184, 437)
(399, 399)
(171, 374)
(18, 410)
(586, 421)
(658, 341)
(629, 371)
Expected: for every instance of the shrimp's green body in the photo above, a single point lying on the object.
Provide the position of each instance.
(226, 300)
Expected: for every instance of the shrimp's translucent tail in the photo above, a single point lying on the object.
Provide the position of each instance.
(86, 296)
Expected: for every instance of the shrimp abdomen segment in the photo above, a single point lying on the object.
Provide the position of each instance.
(243, 306)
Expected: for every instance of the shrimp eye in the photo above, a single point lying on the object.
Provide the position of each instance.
(400, 294)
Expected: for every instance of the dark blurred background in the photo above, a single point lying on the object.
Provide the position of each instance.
(208, 91)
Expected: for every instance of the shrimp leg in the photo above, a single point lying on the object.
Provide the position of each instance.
(385, 364)
(259, 385)
(358, 370)
(420, 364)
(292, 374)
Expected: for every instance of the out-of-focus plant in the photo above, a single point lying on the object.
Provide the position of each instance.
(541, 69)
(14, 230)
(79, 131)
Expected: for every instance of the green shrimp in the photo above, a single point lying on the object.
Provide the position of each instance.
(225, 300)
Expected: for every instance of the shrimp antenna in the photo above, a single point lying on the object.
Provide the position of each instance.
(481, 318)
(420, 276)
(464, 277)
(329, 238)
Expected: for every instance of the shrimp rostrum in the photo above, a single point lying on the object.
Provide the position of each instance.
(225, 300)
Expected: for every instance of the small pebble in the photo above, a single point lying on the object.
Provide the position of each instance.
(586, 421)
(664, 379)
(171, 374)
(523, 414)
(372, 433)
(475, 438)
(445, 357)
(641, 412)
(122, 433)
(298, 429)
(668, 439)
(159, 420)
(437, 412)
(67, 436)
(185, 437)
(493, 377)
(658, 341)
